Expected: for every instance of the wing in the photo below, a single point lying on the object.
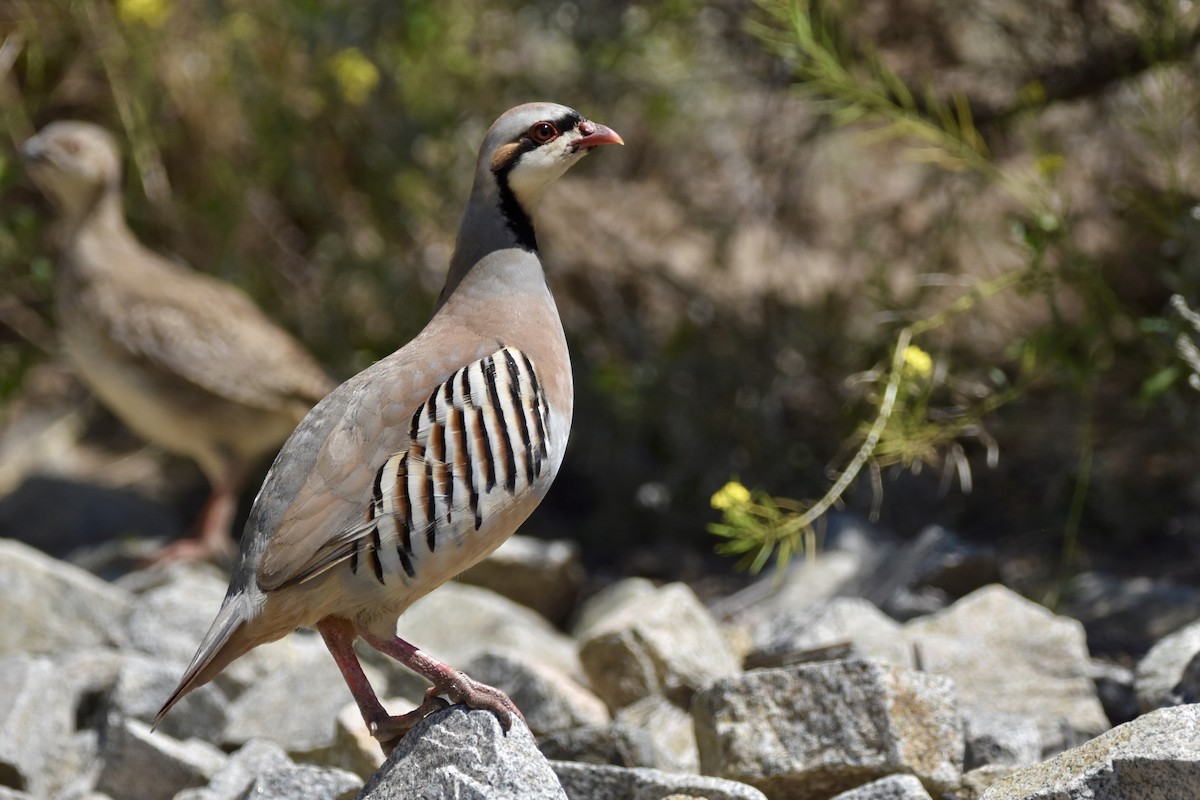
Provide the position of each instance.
(213, 336)
(476, 444)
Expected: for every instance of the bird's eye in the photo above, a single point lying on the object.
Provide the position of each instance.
(72, 146)
(542, 132)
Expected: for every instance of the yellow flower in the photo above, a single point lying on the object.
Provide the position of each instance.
(917, 361)
(1050, 163)
(730, 495)
(151, 13)
(356, 76)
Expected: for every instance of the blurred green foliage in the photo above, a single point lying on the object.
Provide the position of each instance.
(318, 153)
(1076, 353)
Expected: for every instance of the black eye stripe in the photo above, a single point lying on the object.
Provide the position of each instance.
(567, 122)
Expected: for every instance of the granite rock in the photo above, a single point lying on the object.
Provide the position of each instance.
(1159, 679)
(49, 606)
(662, 643)
(1154, 757)
(465, 755)
(893, 787)
(598, 782)
(545, 576)
(867, 632)
(459, 622)
(255, 758)
(1006, 653)
(36, 717)
(303, 782)
(1000, 738)
(140, 765)
(670, 731)
(550, 699)
(809, 731)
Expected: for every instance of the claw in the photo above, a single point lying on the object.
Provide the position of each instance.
(463, 689)
(388, 731)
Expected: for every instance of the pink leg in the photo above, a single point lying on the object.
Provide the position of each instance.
(215, 524)
(339, 637)
(210, 537)
(452, 682)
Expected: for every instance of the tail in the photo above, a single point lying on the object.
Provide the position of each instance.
(225, 641)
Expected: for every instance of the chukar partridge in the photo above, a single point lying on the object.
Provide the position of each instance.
(421, 465)
(186, 361)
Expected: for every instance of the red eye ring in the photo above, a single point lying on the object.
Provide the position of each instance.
(542, 132)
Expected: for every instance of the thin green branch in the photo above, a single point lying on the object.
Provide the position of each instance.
(759, 526)
(861, 89)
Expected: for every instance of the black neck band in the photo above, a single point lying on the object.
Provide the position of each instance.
(518, 220)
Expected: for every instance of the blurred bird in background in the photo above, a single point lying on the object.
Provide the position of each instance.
(189, 363)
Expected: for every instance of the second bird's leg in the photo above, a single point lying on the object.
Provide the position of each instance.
(339, 636)
(452, 682)
(209, 537)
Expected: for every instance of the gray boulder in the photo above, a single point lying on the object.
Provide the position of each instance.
(893, 787)
(1006, 653)
(49, 606)
(140, 765)
(607, 601)
(865, 630)
(456, 623)
(1159, 679)
(616, 743)
(295, 706)
(230, 783)
(669, 731)
(545, 576)
(810, 731)
(550, 699)
(173, 609)
(175, 606)
(1000, 738)
(303, 782)
(36, 718)
(662, 643)
(143, 683)
(1156, 755)
(807, 582)
(468, 756)
(353, 748)
(599, 782)
(977, 781)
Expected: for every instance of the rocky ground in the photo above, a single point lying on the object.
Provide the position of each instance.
(874, 671)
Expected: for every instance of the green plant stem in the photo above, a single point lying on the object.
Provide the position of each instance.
(969, 300)
(1071, 551)
(804, 521)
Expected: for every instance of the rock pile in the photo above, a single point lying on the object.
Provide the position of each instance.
(795, 690)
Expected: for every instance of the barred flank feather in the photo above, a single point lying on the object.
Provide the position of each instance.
(480, 436)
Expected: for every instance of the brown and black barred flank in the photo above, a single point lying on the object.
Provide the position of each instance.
(479, 436)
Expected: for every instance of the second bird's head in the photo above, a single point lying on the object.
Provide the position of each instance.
(531, 145)
(73, 162)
